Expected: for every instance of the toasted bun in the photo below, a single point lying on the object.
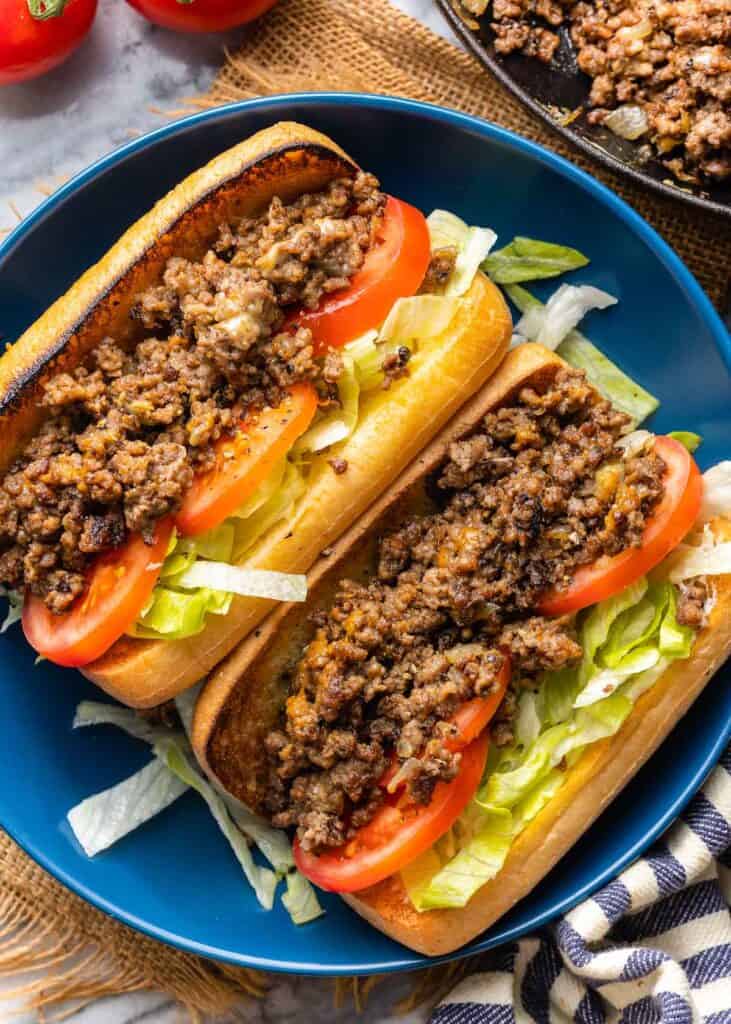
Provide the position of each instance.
(284, 160)
(241, 702)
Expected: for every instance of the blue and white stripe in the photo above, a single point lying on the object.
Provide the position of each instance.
(652, 947)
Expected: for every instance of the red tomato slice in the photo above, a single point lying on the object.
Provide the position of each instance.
(472, 717)
(673, 518)
(119, 585)
(398, 834)
(393, 269)
(243, 461)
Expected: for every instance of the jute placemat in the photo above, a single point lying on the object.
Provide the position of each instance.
(74, 951)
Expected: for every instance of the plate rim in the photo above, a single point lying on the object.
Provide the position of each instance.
(494, 67)
(696, 297)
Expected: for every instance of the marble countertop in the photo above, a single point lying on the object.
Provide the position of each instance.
(117, 86)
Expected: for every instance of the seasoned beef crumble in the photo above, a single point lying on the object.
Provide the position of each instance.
(129, 428)
(671, 59)
(538, 490)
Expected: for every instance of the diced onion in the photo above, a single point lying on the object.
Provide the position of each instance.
(629, 122)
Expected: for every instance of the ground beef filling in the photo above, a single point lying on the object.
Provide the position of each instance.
(672, 59)
(129, 429)
(537, 491)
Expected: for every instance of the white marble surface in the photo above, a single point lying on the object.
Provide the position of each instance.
(116, 86)
(49, 130)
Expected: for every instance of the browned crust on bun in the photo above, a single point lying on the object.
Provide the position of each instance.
(284, 160)
(242, 698)
(590, 786)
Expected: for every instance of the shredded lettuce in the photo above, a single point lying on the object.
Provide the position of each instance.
(528, 259)
(551, 323)
(624, 393)
(15, 608)
(102, 819)
(446, 230)
(368, 353)
(420, 316)
(280, 505)
(263, 494)
(709, 557)
(300, 899)
(716, 491)
(230, 579)
(96, 712)
(627, 642)
(687, 438)
(176, 609)
(431, 886)
(338, 424)
(262, 880)
(176, 614)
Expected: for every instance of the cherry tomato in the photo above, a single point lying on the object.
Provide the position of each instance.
(30, 46)
(400, 831)
(118, 586)
(672, 520)
(201, 15)
(393, 269)
(243, 461)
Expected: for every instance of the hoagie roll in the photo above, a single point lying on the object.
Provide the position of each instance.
(486, 658)
(225, 392)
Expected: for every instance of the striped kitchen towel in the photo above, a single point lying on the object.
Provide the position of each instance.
(652, 947)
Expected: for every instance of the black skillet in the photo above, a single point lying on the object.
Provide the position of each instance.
(552, 90)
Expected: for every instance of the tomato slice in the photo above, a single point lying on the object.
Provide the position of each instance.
(393, 269)
(243, 461)
(472, 717)
(672, 520)
(118, 586)
(399, 832)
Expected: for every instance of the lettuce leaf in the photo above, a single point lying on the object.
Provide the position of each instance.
(420, 316)
(300, 899)
(177, 610)
(337, 424)
(262, 880)
(233, 579)
(716, 491)
(551, 323)
(528, 259)
(177, 614)
(687, 438)
(103, 819)
(280, 505)
(431, 885)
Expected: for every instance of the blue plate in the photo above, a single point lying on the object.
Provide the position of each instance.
(176, 878)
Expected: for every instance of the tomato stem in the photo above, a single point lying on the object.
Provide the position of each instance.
(42, 10)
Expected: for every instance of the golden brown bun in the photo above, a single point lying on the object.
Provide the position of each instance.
(242, 700)
(591, 784)
(285, 160)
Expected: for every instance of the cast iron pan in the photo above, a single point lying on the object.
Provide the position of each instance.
(552, 90)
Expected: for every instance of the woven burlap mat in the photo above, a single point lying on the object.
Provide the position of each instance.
(73, 951)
